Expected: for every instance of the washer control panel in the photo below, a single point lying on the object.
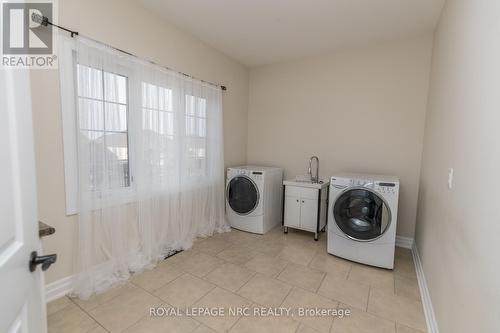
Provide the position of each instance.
(383, 187)
(386, 187)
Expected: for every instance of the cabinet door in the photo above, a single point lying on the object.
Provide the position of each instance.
(292, 211)
(308, 214)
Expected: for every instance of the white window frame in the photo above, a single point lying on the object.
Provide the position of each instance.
(67, 73)
(69, 96)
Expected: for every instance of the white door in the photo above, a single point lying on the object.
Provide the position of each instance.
(292, 211)
(309, 214)
(22, 306)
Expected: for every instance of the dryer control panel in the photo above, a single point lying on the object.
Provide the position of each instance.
(243, 172)
(362, 182)
(255, 175)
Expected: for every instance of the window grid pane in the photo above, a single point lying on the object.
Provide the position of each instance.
(103, 119)
(158, 117)
(156, 98)
(195, 126)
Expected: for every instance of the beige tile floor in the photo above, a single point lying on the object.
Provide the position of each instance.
(239, 269)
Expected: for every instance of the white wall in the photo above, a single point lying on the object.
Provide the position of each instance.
(458, 230)
(124, 25)
(359, 110)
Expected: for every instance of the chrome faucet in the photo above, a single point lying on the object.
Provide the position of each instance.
(314, 179)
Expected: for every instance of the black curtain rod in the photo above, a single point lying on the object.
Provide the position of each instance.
(43, 20)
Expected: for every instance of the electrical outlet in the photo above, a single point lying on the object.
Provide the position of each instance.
(450, 178)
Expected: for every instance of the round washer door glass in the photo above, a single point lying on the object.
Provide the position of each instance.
(242, 195)
(361, 214)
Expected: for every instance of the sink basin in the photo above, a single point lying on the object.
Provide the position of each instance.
(306, 183)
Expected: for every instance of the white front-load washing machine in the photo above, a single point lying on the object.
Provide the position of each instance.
(253, 198)
(362, 218)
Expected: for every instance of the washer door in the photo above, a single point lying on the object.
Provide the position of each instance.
(242, 195)
(362, 214)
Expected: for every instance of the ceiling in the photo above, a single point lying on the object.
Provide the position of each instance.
(259, 32)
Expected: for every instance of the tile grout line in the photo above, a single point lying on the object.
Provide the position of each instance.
(206, 293)
(64, 307)
(322, 280)
(70, 301)
(197, 300)
(237, 320)
(232, 292)
(349, 272)
(204, 277)
(163, 285)
(153, 295)
(171, 306)
(394, 283)
(88, 314)
(281, 305)
(392, 319)
(288, 294)
(244, 284)
(368, 298)
(282, 270)
(210, 271)
(320, 296)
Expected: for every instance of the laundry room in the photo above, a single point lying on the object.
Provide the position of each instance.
(250, 166)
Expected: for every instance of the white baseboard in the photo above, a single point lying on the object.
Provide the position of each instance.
(406, 242)
(430, 318)
(57, 289)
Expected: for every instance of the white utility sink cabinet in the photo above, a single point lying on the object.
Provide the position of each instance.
(305, 206)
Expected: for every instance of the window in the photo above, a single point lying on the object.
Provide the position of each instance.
(158, 124)
(102, 99)
(130, 128)
(196, 132)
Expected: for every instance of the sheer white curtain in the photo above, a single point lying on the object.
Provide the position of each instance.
(150, 162)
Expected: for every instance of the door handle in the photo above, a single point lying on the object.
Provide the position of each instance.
(45, 261)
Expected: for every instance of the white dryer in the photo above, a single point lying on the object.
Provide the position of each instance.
(253, 198)
(362, 218)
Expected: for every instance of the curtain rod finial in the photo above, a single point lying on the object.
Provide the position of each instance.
(224, 88)
(43, 20)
